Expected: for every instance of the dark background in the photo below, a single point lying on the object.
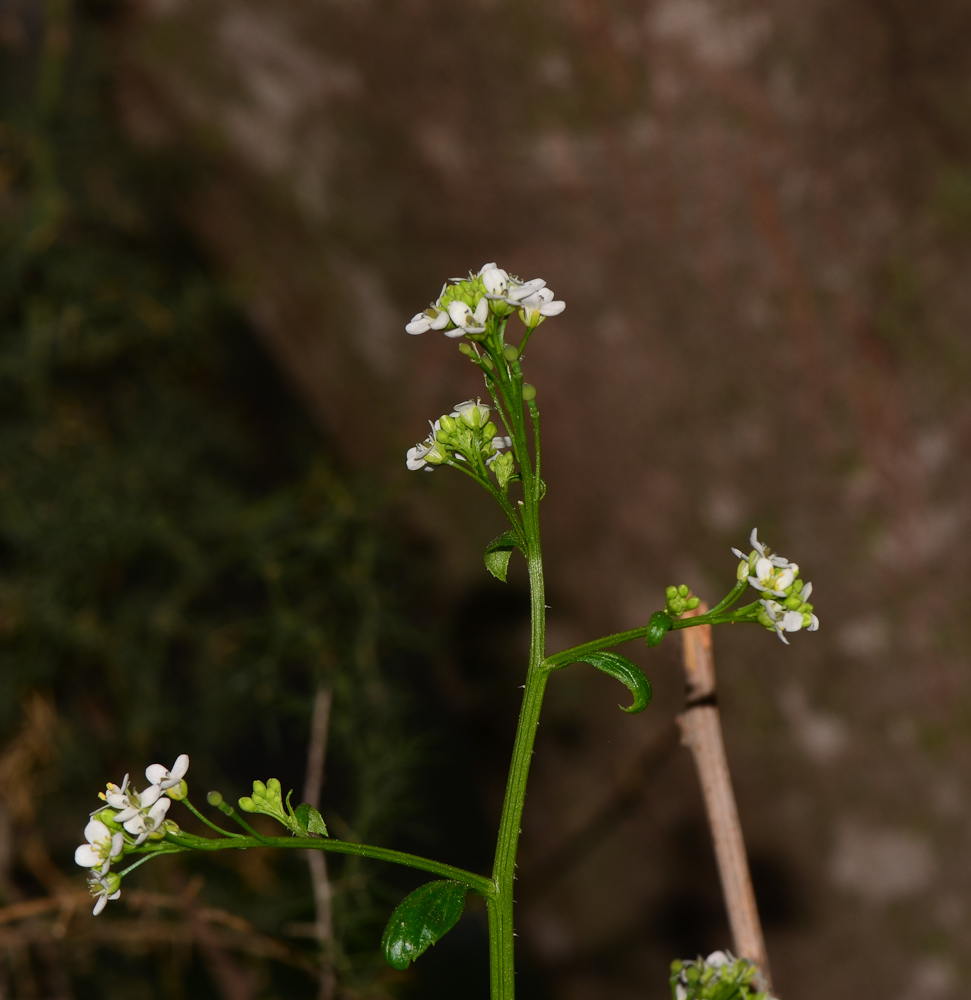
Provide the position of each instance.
(218, 217)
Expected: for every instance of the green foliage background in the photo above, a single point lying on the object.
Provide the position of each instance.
(181, 565)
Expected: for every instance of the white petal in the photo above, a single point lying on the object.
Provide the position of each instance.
(101, 903)
(440, 321)
(763, 569)
(460, 332)
(718, 959)
(86, 857)
(756, 584)
(792, 621)
(117, 843)
(96, 831)
(813, 625)
(180, 766)
(459, 312)
(420, 323)
(553, 308)
(481, 311)
(806, 592)
(785, 580)
(524, 290)
(126, 814)
(156, 773)
(741, 555)
(158, 811)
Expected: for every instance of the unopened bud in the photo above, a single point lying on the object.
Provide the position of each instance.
(529, 392)
(510, 353)
(215, 799)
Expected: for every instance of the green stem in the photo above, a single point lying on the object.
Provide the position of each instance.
(501, 930)
(478, 883)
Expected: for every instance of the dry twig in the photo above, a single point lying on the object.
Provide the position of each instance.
(701, 733)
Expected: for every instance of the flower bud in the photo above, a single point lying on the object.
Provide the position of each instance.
(529, 392)
(510, 352)
(178, 792)
(215, 799)
(489, 431)
(247, 804)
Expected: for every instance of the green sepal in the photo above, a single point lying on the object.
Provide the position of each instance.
(421, 919)
(498, 553)
(658, 627)
(310, 820)
(628, 673)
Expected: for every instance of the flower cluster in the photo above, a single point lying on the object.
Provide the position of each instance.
(465, 435)
(125, 822)
(465, 304)
(720, 976)
(785, 606)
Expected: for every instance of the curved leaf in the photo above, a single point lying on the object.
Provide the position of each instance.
(628, 673)
(420, 919)
(498, 552)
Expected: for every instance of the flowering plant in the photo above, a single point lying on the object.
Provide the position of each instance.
(497, 444)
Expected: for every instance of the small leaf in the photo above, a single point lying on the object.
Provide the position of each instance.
(310, 820)
(628, 673)
(498, 553)
(420, 919)
(658, 627)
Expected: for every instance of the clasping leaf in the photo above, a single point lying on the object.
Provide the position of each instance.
(420, 919)
(498, 553)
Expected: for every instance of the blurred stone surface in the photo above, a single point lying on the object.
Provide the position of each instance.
(759, 215)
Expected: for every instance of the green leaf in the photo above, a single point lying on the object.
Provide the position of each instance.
(623, 670)
(310, 820)
(658, 627)
(498, 553)
(420, 919)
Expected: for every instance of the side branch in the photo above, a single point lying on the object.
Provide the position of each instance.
(477, 883)
(701, 733)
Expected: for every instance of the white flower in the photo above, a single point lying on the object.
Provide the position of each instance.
(775, 616)
(719, 958)
(495, 279)
(158, 775)
(103, 888)
(432, 318)
(116, 796)
(471, 414)
(519, 290)
(534, 308)
(466, 319)
(101, 847)
(415, 458)
(769, 573)
(498, 443)
(143, 823)
(136, 803)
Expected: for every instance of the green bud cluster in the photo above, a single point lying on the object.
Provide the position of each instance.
(719, 977)
(267, 799)
(679, 600)
(469, 291)
(504, 466)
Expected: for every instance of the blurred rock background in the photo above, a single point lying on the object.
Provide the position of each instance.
(759, 215)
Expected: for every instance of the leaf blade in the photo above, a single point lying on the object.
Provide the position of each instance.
(625, 671)
(421, 919)
(498, 553)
